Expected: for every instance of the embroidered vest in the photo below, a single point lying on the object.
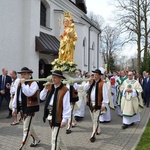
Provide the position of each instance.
(98, 94)
(57, 104)
(29, 104)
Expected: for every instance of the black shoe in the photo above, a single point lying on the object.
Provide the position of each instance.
(104, 121)
(35, 144)
(125, 126)
(78, 118)
(9, 116)
(68, 131)
(132, 124)
(92, 139)
(101, 121)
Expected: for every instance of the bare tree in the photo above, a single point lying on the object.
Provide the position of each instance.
(97, 20)
(132, 17)
(109, 41)
(145, 8)
(110, 45)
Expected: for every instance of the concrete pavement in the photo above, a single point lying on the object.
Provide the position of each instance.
(112, 135)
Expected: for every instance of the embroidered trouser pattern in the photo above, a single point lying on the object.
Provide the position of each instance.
(56, 141)
(27, 131)
(95, 121)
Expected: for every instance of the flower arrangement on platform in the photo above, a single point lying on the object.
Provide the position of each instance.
(64, 65)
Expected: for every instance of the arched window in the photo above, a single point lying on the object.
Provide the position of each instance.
(43, 15)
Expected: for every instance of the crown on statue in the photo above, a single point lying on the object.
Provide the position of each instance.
(68, 15)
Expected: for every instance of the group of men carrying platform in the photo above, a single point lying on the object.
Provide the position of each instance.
(60, 101)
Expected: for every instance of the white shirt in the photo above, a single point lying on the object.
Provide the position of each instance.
(66, 103)
(27, 91)
(13, 86)
(105, 93)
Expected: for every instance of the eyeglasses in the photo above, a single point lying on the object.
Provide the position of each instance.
(129, 75)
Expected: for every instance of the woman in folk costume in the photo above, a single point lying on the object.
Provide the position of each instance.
(57, 108)
(97, 100)
(131, 102)
(106, 115)
(67, 39)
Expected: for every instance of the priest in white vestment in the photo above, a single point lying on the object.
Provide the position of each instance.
(131, 102)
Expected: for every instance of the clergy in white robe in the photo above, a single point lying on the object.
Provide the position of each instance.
(113, 82)
(106, 115)
(131, 102)
(79, 113)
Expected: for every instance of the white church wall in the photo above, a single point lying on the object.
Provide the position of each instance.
(20, 23)
(11, 36)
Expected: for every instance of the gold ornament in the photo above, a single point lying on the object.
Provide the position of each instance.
(68, 15)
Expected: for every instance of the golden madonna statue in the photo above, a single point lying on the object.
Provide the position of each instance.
(67, 39)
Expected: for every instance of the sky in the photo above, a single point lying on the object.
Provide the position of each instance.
(105, 9)
(101, 7)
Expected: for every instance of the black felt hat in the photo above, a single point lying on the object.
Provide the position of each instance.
(58, 73)
(97, 71)
(25, 70)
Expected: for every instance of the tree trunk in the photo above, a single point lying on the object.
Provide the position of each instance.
(139, 37)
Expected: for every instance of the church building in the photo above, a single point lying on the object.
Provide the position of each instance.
(30, 31)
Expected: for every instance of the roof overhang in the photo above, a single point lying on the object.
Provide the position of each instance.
(81, 4)
(47, 44)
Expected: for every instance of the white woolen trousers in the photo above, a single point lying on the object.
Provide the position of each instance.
(28, 130)
(95, 121)
(56, 141)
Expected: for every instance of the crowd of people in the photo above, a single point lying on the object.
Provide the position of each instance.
(126, 91)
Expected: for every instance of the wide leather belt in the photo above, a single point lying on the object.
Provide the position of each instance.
(50, 107)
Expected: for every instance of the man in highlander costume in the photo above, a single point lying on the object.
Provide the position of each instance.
(26, 102)
(57, 108)
(97, 100)
(131, 102)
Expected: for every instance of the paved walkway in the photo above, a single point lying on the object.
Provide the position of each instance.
(111, 137)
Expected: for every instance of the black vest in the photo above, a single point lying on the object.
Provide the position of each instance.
(29, 104)
(73, 94)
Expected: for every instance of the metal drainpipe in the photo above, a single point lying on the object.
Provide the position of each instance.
(98, 46)
(89, 41)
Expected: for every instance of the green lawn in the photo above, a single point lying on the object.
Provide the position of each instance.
(144, 143)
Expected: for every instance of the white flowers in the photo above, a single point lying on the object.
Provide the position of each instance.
(64, 65)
